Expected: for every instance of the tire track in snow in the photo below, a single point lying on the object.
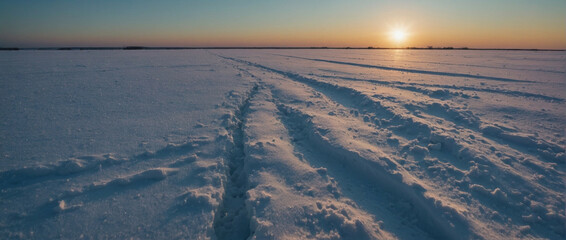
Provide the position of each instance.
(426, 209)
(430, 218)
(479, 168)
(280, 173)
(412, 124)
(411, 87)
(459, 64)
(232, 221)
(353, 99)
(478, 165)
(410, 127)
(360, 189)
(517, 141)
(449, 74)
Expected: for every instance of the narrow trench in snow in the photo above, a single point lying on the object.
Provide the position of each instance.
(232, 221)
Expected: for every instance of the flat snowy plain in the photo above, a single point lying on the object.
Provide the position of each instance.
(282, 144)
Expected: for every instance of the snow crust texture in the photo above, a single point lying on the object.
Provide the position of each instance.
(283, 144)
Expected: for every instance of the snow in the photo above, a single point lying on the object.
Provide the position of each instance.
(283, 144)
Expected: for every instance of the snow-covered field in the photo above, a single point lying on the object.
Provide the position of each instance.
(282, 144)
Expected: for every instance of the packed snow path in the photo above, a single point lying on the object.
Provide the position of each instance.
(283, 144)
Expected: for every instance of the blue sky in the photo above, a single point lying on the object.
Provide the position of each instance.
(500, 24)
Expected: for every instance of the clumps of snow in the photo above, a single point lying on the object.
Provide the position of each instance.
(491, 130)
(415, 149)
(322, 171)
(447, 142)
(280, 202)
(435, 146)
(278, 212)
(458, 116)
(176, 148)
(154, 174)
(381, 170)
(434, 93)
(548, 150)
(207, 196)
(561, 156)
(440, 93)
(496, 194)
(329, 221)
(258, 198)
(184, 161)
(209, 172)
(539, 213)
(62, 206)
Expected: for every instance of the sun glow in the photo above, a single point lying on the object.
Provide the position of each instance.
(398, 35)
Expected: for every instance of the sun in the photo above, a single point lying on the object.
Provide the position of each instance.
(398, 35)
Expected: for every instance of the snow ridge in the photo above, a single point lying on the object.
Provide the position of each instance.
(62, 168)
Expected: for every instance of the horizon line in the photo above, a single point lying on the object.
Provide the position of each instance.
(271, 47)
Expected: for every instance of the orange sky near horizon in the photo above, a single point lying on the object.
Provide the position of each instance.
(333, 23)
